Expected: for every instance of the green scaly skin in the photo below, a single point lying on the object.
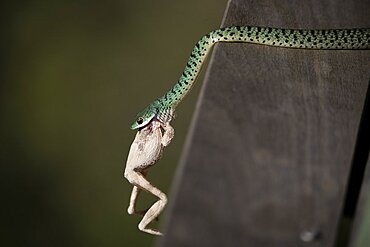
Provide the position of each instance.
(162, 109)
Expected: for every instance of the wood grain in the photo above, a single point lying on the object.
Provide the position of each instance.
(360, 235)
(268, 155)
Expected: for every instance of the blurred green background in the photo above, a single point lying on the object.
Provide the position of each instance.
(74, 75)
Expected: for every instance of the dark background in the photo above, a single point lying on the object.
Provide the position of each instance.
(73, 76)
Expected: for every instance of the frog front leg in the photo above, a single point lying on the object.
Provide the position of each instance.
(168, 134)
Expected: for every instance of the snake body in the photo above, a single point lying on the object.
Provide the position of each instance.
(163, 108)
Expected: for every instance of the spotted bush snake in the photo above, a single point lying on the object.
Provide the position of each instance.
(163, 108)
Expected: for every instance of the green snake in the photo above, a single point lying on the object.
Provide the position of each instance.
(162, 109)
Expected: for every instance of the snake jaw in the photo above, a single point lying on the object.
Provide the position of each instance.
(142, 120)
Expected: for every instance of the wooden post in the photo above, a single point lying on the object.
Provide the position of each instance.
(269, 153)
(361, 225)
(361, 229)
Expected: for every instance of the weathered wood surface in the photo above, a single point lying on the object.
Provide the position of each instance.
(268, 155)
(361, 229)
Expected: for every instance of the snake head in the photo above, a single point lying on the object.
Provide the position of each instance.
(143, 118)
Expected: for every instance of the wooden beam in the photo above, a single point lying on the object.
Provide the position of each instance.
(268, 156)
(360, 235)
